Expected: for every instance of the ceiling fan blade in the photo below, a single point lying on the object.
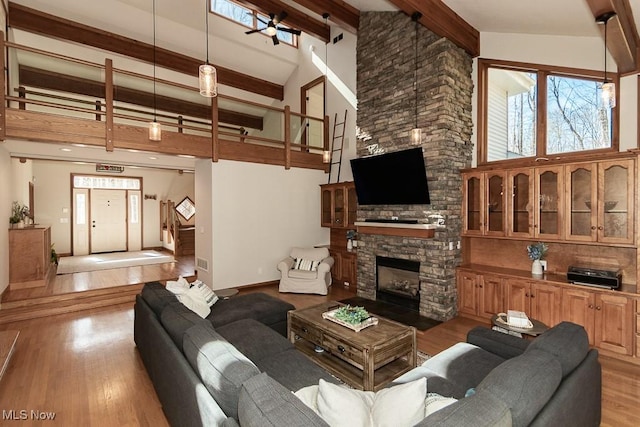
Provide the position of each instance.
(257, 30)
(275, 40)
(290, 30)
(272, 16)
(262, 20)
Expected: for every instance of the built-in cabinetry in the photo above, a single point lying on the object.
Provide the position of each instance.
(607, 315)
(530, 202)
(339, 205)
(29, 256)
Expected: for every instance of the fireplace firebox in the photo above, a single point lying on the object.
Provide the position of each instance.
(398, 282)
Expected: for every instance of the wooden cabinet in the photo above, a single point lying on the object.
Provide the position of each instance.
(344, 271)
(29, 257)
(600, 200)
(607, 318)
(479, 295)
(540, 301)
(339, 205)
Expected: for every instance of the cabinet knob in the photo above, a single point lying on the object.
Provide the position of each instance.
(526, 294)
(598, 307)
(600, 227)
(533, 296)
(480, 286)
(593, 227)
(535, 225)
(590, 305)
(305, 330)
(341, 349)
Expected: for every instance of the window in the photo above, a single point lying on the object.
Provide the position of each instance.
(249, 18)
(531, 110)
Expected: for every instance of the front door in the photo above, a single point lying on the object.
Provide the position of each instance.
(108, 220)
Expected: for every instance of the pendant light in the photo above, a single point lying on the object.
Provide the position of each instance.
(416, 132)
(155, 131)
(207, 75)
(608, 88)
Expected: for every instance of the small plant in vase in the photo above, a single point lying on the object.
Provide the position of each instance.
(351, 235)
(536, 252)
(18, 213)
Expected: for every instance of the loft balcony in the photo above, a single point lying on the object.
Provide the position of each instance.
(58, 99)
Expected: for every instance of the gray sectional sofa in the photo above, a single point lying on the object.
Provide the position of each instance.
(236, 367)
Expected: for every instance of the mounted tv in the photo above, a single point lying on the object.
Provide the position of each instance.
(397, 178)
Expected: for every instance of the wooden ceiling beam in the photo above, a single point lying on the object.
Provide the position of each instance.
(622, 35)
(43, 79)
(38, 22)
(340, 12)
(443, 21)
(296, 19)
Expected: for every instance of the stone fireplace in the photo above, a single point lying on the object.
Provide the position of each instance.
(387, 112)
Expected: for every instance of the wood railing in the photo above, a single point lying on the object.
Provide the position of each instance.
(52, 106)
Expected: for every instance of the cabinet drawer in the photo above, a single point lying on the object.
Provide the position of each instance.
(344, 351)
(305, 331)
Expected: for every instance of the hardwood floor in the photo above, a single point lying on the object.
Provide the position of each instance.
(84, 367)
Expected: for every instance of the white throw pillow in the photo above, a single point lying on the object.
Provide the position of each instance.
(179, 286)
(340, 406)
(206, 292)
(434, 402)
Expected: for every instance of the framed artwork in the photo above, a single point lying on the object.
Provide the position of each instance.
(186, 208)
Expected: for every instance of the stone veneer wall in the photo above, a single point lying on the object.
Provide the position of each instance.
(386, 111)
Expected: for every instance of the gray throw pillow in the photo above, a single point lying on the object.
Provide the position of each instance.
(220, 366)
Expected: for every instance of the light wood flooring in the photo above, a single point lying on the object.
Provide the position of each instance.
(84, 367)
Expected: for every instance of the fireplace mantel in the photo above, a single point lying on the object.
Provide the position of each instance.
(423, 231)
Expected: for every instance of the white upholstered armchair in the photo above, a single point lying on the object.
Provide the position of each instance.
(306, 270)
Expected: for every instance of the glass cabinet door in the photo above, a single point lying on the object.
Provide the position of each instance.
(548, 221)
(495, 204)
(473, 204)
(615, 205)
(520, 219)
(339, 208)
(582, 202)
(326, 199)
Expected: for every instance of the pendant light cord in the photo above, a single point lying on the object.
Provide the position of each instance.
(606, 24)
(415, 17)
(154, 60)
(206, 20)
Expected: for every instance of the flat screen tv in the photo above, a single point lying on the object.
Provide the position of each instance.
(397, 178)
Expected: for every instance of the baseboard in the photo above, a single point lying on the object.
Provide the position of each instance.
(259, 285)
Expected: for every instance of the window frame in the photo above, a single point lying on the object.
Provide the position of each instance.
(255, 12)
(542, 72)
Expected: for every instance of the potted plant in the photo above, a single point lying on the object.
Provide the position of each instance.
(18, 213)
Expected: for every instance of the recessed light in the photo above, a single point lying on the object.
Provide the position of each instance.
(65, 149)
(79, 145)
(153, 158)
(186, 156)
(131, 150)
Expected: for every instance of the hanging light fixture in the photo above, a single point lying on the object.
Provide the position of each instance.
(155, 131)
(608, 88)
(207, 75)
(416, 133)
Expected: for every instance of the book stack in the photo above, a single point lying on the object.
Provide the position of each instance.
(518, 319)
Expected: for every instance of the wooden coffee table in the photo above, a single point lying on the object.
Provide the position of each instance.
(367, 360)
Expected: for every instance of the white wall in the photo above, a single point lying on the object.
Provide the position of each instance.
(22, 175)
(5, 209)
(564, 51)
(52, 186)
(258, 212)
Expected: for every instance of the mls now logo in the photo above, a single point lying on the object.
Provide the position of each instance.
(23, 414)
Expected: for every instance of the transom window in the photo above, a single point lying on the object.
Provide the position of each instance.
(531, 110)
(249, 18)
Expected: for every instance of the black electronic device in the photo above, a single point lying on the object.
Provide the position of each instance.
(588, 276)
(397, 178)
(392, 221)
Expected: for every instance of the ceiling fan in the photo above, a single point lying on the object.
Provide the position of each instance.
(272, 27)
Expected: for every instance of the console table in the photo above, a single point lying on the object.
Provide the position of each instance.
(367, 360)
